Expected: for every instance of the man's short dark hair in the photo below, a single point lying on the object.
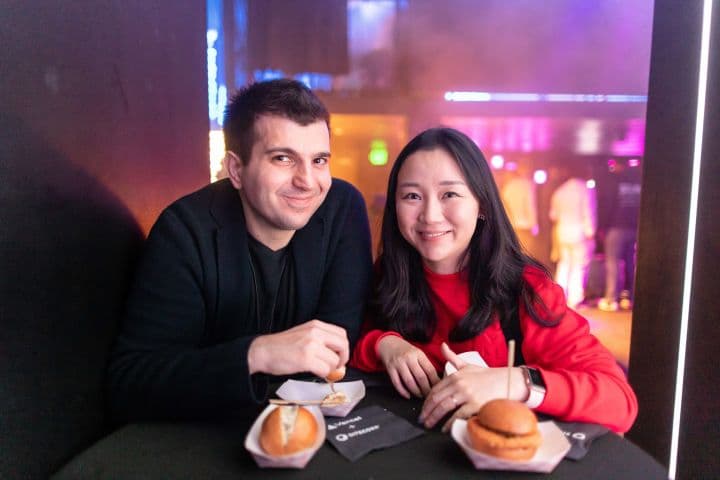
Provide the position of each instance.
(283, 98)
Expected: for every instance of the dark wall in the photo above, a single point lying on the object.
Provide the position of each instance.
(103, 122)
(118, 87)
(663, 241)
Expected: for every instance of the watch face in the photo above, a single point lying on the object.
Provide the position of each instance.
(536, 377)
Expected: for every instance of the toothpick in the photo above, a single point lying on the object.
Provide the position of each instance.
(511, 360)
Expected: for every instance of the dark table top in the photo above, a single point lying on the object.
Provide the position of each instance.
(216, 450)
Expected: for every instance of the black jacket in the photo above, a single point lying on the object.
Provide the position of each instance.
(182, 349)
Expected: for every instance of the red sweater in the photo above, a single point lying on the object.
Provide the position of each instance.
(583, 380)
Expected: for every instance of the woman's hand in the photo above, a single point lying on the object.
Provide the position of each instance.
(468, 389)
(408, 367)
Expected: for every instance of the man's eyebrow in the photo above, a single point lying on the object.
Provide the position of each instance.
(291, 151)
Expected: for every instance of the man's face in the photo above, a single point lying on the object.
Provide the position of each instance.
(286, 178)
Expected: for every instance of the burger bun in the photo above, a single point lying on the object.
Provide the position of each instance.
(288, 429)
(505, 429)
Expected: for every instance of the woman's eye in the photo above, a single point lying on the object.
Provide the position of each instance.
(451, 194)
(411, 196)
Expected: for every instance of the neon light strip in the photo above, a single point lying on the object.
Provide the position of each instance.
(692, 223)
(470, 96)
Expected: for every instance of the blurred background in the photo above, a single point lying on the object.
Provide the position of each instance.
(548, 90)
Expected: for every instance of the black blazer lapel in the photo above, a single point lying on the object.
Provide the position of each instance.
(235, 306)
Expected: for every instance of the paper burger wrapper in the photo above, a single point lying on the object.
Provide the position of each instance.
(295, 460)
(552, 450)
(473, 358)
(294, 390)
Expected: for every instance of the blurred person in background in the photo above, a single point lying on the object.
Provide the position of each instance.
(519, 197)
(573, 213)
(619, 223)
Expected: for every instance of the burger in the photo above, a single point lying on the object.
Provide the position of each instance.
(505, 429)
(288, 429)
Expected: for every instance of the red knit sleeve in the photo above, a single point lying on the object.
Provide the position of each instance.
(584, 382)
(365, 355)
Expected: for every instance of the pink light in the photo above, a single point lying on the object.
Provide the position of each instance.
(540, 176)
(634, 162)
(612, 164)
(497, 161)
(633, 142)
(511, 166)
(590, 183)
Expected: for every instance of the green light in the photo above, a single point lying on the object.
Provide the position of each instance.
(378, 155)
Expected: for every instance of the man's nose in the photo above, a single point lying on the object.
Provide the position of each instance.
(302, 177)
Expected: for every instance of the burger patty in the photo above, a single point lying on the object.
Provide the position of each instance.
(494, 438)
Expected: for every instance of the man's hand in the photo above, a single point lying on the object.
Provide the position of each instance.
(408, 367)
(316, 347)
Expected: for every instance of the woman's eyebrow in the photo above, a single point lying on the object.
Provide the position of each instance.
(442, 182)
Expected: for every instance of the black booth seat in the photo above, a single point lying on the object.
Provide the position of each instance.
(67, 250)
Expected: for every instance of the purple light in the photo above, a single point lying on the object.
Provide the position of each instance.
(511, 166)
(612, 164)
(634, 162)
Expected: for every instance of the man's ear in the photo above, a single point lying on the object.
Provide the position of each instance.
(234, 167)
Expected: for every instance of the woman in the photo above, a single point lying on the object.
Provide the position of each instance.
(452, 277)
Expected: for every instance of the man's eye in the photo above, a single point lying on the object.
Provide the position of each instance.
(282, 159)
(321, 161)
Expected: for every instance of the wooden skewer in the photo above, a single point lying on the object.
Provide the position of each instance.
(324, 402)
(511, 360)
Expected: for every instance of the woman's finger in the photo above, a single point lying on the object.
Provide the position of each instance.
(420, 377)
(452, 357)
(441, 408)
(397, 383)
(429, 370)
(463, 412)
(408, 379)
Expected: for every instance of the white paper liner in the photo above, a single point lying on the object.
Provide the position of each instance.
(294, 390)
(473, 358)
(296, 460)
(552, 450)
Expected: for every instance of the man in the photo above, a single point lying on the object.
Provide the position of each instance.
(261, 274)
(572, 210)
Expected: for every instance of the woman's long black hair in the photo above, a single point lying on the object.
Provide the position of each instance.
(401, 297)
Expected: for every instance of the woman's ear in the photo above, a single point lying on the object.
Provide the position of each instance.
(234, 167)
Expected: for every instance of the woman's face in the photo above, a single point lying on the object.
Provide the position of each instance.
(436, 210)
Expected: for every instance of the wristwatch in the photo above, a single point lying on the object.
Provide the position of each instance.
(536, 386)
